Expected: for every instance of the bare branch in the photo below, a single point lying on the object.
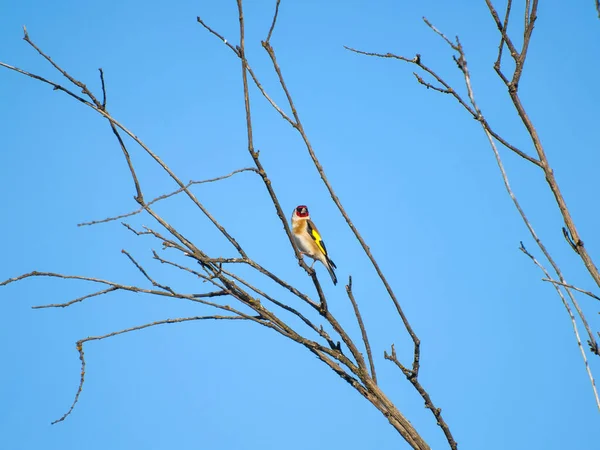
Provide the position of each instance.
(530, 18)
(362, 328)
(103, 88)
(502, 29)
(79, 346)
(274, 21)
(447, 89)
(213, 32)
(440, 34)
(414, 379)
(465, 70)
(80, 85)
(141, 269)
(117, 286)
(295, 312)
(338, 203)
(591, 294)
(165, 196)
(255, 157)
(96, 106)
(77, 300)
(431, 86)
(56, 86)
(592, 342)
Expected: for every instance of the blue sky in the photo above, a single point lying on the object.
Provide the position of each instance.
(414, 172)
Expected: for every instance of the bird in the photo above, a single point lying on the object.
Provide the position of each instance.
(309, 240)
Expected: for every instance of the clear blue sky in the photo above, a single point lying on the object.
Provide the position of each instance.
(415, 173)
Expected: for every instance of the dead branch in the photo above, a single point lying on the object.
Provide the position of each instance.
(414, 379)
(362, 328)
(165, 196)
(79, 347)
(592, 343)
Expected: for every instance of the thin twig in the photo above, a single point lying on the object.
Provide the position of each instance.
(118, 286)
(255, 157)
(414, 379)
(77, 83)
(531, 15)
(103, 88)
(165, 196)
(463, 67)
(77, 300)
(210, 30)
(79, 346)
(336, 200)
(295, 312)
(573, 323)
(362, 328)
(570, 286)
(97, 106)
(274, 21)
(143, 271)
(447, 89)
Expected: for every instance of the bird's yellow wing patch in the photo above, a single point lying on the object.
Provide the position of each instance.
(314, 233)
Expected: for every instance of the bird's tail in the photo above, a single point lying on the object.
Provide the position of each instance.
(330, 266)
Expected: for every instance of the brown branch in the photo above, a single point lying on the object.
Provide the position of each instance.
(96, 106)
(362, 328)
(414, 379)
(447, 89)
(295, 312)
(591, 294)
(219, 277)
(143, 271)
(250, 71)
(231, 289)
(165, 196)
(77, 300)
(77, 83)
(267, 273)
(400, 423)
(103, 88)
(179, 266)
(117, 286)
(431, 86)
(55, 86)
(474, 109)
(504, 27)
(167, 243)
(79, 346)
(505, 38)
(592, 343)
(274, 21)
(139, 197)
(548, 172)
(530, 18)
(465, 70)
(255, 157)
(338, 203)
(215, 33)
(440, 34)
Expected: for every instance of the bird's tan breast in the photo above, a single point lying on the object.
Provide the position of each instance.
(298, 226)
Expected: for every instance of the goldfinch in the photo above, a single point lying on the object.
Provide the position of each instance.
(309, 240)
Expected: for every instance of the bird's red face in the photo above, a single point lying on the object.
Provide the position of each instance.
(302, 211)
